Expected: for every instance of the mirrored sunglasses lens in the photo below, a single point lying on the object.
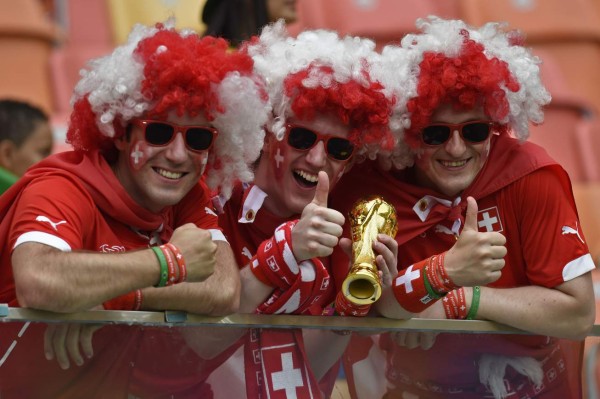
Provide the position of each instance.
(476, 132)
(301, 138)
(435, 134)
(158, 133)
(339, 148)
(199, 139)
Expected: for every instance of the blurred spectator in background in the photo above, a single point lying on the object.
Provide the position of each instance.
(25, 138)
(238, 20)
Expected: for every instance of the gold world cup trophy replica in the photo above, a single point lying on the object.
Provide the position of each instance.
(368, 217)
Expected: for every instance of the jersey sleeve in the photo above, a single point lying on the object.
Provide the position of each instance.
(553, 244)
(54, 211)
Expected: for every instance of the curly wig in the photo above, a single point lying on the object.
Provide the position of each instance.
(319, 72)
(160, 70)
(451, 62)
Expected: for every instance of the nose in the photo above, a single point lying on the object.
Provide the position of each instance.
(317, 155)
(455, 146)
(176, 150)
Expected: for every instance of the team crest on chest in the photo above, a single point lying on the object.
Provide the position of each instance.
(489, 220)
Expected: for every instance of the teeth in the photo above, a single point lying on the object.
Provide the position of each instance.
(453, 164)
(169, 175)
(308, 177)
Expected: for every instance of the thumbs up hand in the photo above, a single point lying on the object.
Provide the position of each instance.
(319, 228)
(476, 258)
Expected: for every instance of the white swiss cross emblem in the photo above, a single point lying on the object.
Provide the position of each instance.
(407, 278)
(489, 220)
(289, 378)
(272, 263)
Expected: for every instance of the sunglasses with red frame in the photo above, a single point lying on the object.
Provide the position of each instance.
(471, 131)
(161, 133)
(303, 139)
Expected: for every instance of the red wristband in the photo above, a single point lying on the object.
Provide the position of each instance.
(346, 308)
(409, 288)
(130, 301)
(433, 276)
(172, 278)
(180, 262)
(455, 305)
(139, 297)
(447, 282)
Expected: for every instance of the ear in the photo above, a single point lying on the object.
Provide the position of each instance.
(121, 143)
(269, 140)
(7, 153)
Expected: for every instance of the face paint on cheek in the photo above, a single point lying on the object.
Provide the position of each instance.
(338, 177)
(485, 152)
(200, 160)
(279, 153)
(423, 161)
(140, 152)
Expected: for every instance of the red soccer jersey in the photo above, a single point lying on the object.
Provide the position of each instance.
(536, 213)
(266, 362)
(62, 210)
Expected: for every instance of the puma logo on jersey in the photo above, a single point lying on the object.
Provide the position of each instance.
(210, 211)
(570, 230)
(443, 229)
(246, 252)
(46, 220)
(111, 248)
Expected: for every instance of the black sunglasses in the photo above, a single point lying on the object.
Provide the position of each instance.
(197, 138)
(472, 131)
(303, 139)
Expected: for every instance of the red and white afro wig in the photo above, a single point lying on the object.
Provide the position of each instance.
(160, 70)
(451, 62)
(319, 72)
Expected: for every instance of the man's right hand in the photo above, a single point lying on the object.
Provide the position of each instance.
(477, 258)
(319, 228)
(198, 250)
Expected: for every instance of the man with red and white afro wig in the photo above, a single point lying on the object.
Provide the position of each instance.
(327, 111)
(126, 220)
(160, 70)
(492, 214)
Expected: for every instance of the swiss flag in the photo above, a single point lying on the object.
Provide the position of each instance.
(489, 220)
(285, 373)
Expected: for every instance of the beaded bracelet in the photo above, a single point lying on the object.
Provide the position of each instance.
(164, 269)
(474, 303)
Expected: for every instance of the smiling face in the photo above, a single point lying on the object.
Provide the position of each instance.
(451, 167)
(289, 176)
(159, 176)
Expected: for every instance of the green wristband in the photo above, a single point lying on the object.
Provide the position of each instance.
(430, 290)
(164, 269)
(474, 303)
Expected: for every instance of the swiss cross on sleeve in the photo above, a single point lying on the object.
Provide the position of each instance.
(409, 288)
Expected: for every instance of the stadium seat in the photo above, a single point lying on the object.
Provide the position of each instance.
(26, 39)
(570, 30)
(569, 123)
(381, 20)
